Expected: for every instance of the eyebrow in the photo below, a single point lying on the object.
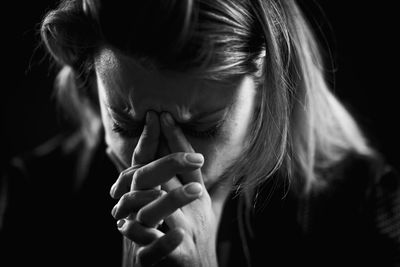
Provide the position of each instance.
(123, 115)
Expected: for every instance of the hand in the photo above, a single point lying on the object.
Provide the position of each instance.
(190, 213)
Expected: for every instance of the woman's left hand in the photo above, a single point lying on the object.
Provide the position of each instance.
(192, 222)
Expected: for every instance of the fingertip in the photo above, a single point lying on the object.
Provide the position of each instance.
(148, 117)
(176, 139)
(194, 158)
(179, 231)
(114, 211)
(167, 119)
(193, 189)
(112, 191)
(117, 193)
(151, 117)
(177, 235)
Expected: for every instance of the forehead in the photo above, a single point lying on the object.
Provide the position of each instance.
(126, 84)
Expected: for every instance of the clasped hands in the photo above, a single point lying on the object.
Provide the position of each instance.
(167, 190)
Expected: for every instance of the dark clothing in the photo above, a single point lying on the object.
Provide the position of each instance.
(355, 221)
(49, 223)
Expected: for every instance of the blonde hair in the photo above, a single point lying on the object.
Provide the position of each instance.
(300, 127)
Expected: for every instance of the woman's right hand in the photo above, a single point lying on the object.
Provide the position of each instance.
(134, 193)
(138, 185)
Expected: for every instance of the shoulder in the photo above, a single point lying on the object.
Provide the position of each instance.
(29, 171)
(355, 165)
(355, 215)
(41, 165)
(356, 184)
(60, 149)
(360, 205)
(359, 178)
(63, 156)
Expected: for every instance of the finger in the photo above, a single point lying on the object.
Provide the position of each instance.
(138, 233)
(133, 201)
(174, 135)
(177, 142)
(123, 183)
(163, 169)
(171, 184)
(161, 248)
(151, 214)
(148, 142)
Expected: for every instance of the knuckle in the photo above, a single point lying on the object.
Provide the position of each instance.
(121, 176)
(154, 194)
(176, 160)
(133, 195)
(124, 198)
(129, 230)
(141, 216)
(125, 172)
(181, 156)
(136, 154)
(136, 178)
(171, 160)
(140, 155)
(176, 197)
(161, 193)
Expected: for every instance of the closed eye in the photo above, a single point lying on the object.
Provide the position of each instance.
(128, 131)
(210, 132)
(132, 131)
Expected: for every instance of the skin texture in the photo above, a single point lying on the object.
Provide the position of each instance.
(158, 182)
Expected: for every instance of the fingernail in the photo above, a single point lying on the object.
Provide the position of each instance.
(113, 211)
(196, 158)
(192, 189)
(168, 120)
(120, 223)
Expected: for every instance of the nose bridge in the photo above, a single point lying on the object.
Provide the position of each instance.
(162, 98)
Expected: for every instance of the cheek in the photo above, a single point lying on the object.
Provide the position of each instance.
(222, 153)
(219, 155)
(123, 148)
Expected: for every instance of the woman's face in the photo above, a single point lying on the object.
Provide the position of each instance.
(215, 117)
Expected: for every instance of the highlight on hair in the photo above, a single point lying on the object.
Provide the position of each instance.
(299, 128)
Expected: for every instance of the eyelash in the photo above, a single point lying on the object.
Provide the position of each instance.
(211, 132)
(125, 132)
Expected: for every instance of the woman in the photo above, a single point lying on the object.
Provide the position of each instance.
(231, 150)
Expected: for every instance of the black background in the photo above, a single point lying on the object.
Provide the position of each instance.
(360, 38)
